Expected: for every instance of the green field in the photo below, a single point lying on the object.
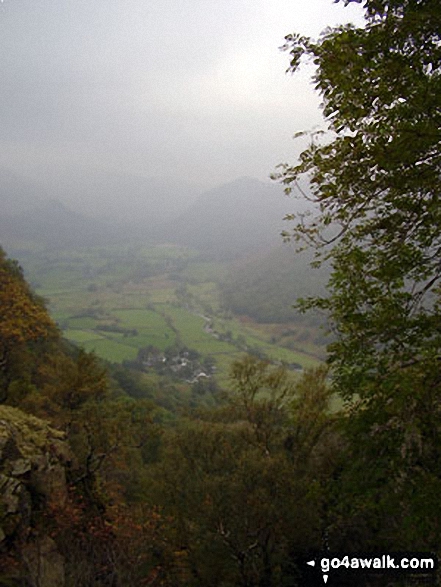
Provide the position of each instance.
(111, 350)
(115, 301)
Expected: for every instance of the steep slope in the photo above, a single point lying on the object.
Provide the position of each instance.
(53, 224)
(234, 219)
(265, 287)
(34, 459)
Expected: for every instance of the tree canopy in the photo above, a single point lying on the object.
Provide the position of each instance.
(375, 184)
(23, 318)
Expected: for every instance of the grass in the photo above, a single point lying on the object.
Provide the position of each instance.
(137, 318)
(204, 271)
(111, 350)
(97, 287)
(82, 323)
(81, 336)
(159, 339)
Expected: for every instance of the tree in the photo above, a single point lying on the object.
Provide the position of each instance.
(375, 186)
(23, 319)
(243, 483)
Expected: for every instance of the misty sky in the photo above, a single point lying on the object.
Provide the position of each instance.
(191, 89)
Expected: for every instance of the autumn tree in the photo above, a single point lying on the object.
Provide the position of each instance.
(375, 187)
(243, 492)
(23, 319)
(102, 528)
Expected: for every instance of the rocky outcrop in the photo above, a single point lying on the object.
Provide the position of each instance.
(33, 460)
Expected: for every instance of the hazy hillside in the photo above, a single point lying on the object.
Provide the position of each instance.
(53, 224)
(88, 208)
(243, 216)
(122, 197)
(230, 221)
(265, 287)
(18, 194)
(112, 196)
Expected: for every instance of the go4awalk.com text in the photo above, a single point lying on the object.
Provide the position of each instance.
(329, 567)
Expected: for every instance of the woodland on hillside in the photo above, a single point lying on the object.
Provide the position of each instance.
(239, 491)
(212, 497)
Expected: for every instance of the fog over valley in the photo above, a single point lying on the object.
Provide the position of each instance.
(134, 120)
(220, 282)
(194, 91)
(136, 150)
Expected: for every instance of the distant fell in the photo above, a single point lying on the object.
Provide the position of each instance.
(90, 207)
(18, 194)
(52, 224)
(122, 197)
(235, 219)
(266, 286)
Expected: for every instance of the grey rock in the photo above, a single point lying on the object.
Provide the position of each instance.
(33, 459)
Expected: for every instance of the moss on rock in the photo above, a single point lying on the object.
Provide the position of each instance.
(33, 460)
